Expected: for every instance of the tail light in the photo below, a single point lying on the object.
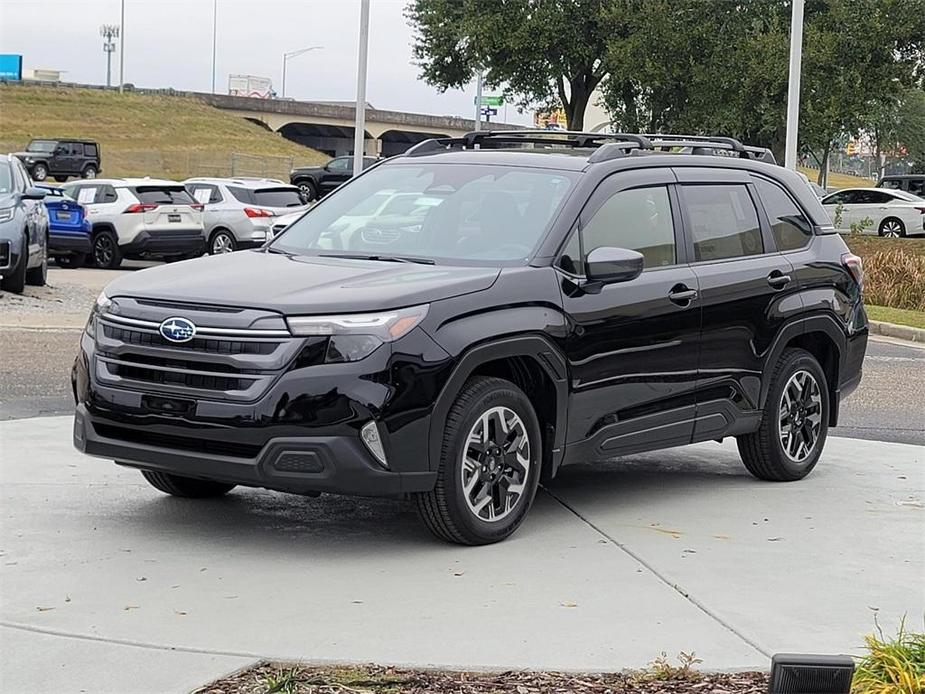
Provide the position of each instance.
(257, 212)
(855, 266)
(920, 209)
(139, 207)
(197, 206)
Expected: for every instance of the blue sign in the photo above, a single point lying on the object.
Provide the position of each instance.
(10, 67)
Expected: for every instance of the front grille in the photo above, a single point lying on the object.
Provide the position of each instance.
(4, 254)
(196, 444)
(197, 344)
(180, 378)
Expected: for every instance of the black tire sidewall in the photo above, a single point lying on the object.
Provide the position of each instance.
(15, 282)
(796, 361)
(476, 530)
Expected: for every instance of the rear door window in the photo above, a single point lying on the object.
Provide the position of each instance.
(789, 226)
(723, 221)
(278, 197)
(163, 195)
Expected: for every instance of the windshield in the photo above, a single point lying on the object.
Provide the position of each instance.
(473, 213)
(42, 146)
(6, 178)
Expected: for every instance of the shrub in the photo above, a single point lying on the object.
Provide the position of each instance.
(892, 665)
(895, 278)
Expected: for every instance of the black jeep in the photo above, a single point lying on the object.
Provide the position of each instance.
(550, 298)
(61, 159)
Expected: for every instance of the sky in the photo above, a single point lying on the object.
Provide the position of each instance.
(169, 44)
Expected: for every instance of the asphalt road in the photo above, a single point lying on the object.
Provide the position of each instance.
(889, 405)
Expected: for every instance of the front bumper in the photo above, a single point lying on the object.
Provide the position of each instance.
(337, 464)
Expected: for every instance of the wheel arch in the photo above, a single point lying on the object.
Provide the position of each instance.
(822, 337)
(532, 363)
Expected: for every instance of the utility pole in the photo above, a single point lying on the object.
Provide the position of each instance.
(109, 32)
(793, 88)
(359, 127)
(122, 52)
(214, 38)
(478, 102)
(286, 57)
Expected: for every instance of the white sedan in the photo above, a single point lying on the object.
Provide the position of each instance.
(892, 213)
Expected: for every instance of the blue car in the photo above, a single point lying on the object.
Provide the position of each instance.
(69, 229)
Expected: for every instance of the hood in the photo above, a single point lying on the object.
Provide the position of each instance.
(301, 284)
(32, 155)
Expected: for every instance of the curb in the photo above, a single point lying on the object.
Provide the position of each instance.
(900, 332)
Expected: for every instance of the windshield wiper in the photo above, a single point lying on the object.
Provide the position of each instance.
(383, 258)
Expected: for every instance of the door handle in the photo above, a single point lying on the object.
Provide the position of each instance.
(778, 280)
(682, 295)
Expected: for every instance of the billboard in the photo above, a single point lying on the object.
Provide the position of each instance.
(249, 85)
(10, 66)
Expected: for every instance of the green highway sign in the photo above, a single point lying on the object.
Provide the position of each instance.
(492, 100)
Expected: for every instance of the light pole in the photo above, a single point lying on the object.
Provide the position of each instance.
(359, 126)
(793, 87)
(109, 32)
(214, 38)
(293, 54)
(478, 102)
(122, 52)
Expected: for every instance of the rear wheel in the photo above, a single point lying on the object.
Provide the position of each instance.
(71, 261)
(106, 253)
(221, 242)
(89, 172)
(489, 465)
(794, 423)
(186, 487)
(60, 179)
(308, 190)
(892, 228)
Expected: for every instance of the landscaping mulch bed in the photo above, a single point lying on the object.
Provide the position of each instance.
(286, 678)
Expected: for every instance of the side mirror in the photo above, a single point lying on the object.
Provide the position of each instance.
(34, 193)
(611, 265)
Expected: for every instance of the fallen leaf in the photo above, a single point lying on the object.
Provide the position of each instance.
(141, 578)
(44, 609)
(131, 607)
(181, 613)
(775, 539)
(458, 573)
(357, 602)
(569, 603)
(67, 598)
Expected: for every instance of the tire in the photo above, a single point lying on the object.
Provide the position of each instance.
(75, 260)
(106, 253)
(14, 280)
(763, 452)
(892, 228)
(39, 172)
(186, 487)
(222, 241)
(448, 511)
(37, 276)
(89, 172)
(60, 179)
(308, 189)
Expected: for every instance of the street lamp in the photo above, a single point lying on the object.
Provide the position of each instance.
(793, 86)
(359, 125)
(122, 52)
(293, 54)
(109, 32)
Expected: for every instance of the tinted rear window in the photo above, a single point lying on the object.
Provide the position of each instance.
(163, 195)
(278, 197)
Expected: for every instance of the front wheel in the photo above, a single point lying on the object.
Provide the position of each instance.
(39, 172)
(186, 487)
(489, 465)
(14, 279)
(794, 423)
(71, 261)
(38, 276)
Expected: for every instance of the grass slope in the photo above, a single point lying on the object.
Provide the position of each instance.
(147, 134)
(839, 180)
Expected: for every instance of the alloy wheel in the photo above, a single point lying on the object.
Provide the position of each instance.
(892, 229)
(222, 243)
(800, 416)
(495, 464)
(102, 250)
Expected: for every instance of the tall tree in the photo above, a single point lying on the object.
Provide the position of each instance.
(540, 52)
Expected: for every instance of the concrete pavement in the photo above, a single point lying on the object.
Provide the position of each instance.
(121, 588)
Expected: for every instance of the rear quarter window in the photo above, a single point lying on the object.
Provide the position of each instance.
(789, 226)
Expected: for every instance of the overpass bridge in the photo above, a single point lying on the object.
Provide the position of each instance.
(329, 126)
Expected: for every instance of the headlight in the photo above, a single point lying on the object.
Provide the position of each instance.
(101, 306)
(6, 214)
(355, 336)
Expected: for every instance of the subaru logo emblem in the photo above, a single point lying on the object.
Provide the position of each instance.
(177, 330)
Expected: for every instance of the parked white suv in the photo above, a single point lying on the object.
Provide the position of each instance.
(139, 218)
(239, 212)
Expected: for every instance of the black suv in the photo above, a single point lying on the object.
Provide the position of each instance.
(61, 159)
(315, 181)
(544, 298)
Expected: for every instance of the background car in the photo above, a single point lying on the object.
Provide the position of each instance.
(911, 183)
(68, 228)
(892, 213)
(23, 228)
(239, 212)
(315, 181)
(139, 218)
(61, 159)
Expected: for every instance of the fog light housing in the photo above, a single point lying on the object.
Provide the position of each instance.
(793, 673)
(373, 442)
